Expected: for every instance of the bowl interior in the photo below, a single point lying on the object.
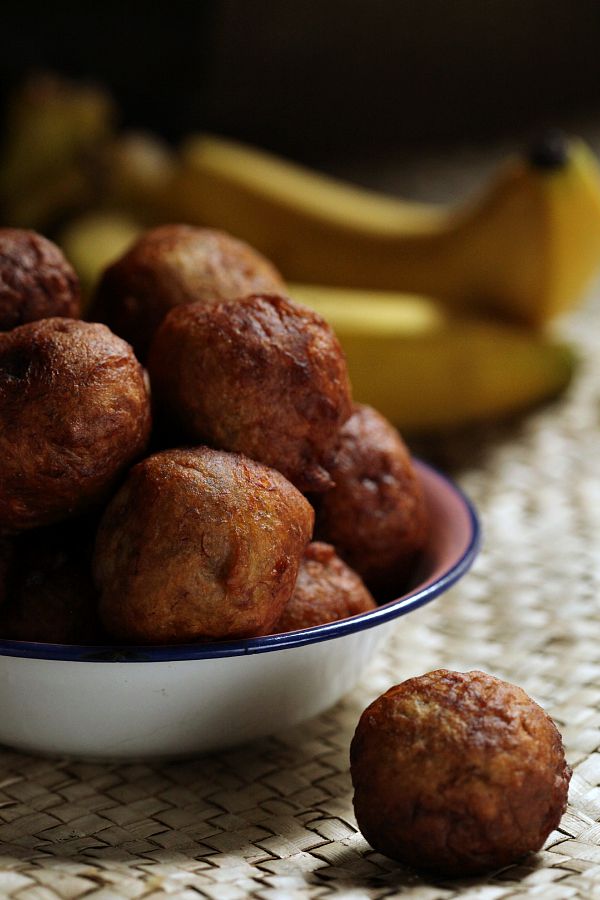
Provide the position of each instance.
(454, 529)
(450, 550)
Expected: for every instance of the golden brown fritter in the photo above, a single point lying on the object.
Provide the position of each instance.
(199, 544)
(74, 413)
(51, 596)
(375, 516)
(458, 773)
(261, 376)
(326, 590)
(36, 281)
(173, 265)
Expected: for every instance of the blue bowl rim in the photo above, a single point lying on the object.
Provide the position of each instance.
(419, 596)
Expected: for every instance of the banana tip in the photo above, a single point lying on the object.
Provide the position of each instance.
(550, 150)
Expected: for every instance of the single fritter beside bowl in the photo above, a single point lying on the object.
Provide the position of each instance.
(458, 773)
(261, 376)
(173, 265)
(74, 413)
(375, 515)
(36, 281)
(199, 544)
(327, 590)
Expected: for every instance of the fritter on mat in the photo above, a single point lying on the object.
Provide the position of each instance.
(457, 773)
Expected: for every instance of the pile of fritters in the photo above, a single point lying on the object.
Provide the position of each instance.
(177, 502)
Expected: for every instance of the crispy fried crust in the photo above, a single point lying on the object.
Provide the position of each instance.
(74, 413)
(199, 544)
(261, 376)
(375, 516)
(50, 592)
(326, 590)
(36, 281)
(173, 265)
(458, 773)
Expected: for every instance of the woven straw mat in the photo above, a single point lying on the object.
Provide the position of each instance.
(274, 819)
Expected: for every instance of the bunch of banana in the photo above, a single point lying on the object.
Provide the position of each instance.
(499, 268)
(439, 309)
(51, 126)
(62, 157)
(94, 240)
(523, 250)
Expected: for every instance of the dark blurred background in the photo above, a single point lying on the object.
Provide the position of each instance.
(322, 79)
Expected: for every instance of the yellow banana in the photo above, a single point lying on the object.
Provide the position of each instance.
(51, 125)
(525, 249)
(94, 240)
(427, 371)
(134, 173)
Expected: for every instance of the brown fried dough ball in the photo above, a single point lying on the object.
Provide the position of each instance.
(74, 413)
(375, 516)
(173, 265)
(458, 773)
(326, 590)
(51, 595)
(199, 544)
(261, 376)
(36, 281)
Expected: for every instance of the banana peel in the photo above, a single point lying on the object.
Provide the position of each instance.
(427, 371)
(523, 250)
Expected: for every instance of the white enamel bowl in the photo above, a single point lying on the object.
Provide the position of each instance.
(114, 702)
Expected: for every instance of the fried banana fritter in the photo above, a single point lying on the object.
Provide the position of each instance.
(199, 544)
(74, 413)
(326, 590)
(375, 516)
(173, 265)
(36, 281)
(457, 773)
(261, 376)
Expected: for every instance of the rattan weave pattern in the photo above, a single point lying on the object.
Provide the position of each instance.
(274, 820)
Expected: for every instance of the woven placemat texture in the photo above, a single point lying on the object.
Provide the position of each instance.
(274, 820)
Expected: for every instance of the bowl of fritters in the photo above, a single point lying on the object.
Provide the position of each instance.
(209, 550)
